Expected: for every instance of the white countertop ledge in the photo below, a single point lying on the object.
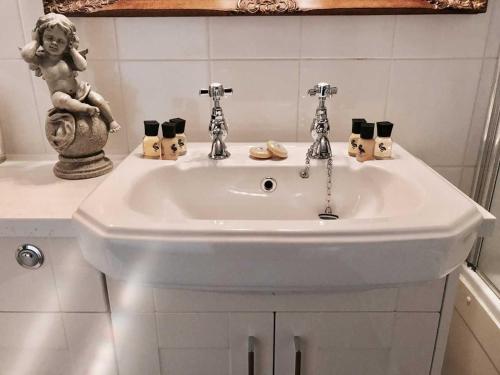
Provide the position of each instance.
(34, 202)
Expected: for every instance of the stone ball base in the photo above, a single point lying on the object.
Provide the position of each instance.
(79, 168)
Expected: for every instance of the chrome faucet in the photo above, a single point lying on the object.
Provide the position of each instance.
(320, 127)
(218, 126)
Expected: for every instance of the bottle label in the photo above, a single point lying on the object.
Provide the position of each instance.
(354, 144)
(180, 142)
(361, 150)
(156, 147)
(173, 147)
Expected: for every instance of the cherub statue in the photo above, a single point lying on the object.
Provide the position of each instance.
(53, 55)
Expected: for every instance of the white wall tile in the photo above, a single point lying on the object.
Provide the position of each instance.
(162, 38)
(264, 103)
(452, 174)
(441, 35)
(480, 114)
(22, 289)
(32, 331)
(493, 40)
(90, 340)
(21, 128)
(11, 33)
(163, 90)
(80, 286)
(254, 37)
(35, 362)
(347, 36)
(98, 36)
(467, 180)
(431, 103)
(362, 89)
(136, 343)
(193, 330)
(30, 12)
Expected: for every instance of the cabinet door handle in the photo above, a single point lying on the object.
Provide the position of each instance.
(251, 355)
(298, 354)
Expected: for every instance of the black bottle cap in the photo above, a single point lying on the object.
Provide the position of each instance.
(180, 124)
(356, 125)
(151, 128)
(367, 130)
(168, 129)
(384, 129)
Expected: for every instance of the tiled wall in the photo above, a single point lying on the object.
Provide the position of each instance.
(429, 74)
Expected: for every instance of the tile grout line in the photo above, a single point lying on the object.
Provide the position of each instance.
(391, 68)
(122, 93)
(299, 79)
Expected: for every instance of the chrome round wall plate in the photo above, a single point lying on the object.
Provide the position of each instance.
(29, 256)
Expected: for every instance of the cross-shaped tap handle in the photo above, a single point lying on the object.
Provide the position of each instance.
(322, 90)
(216, 90)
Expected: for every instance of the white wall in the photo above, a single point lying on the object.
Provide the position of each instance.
(429, 74)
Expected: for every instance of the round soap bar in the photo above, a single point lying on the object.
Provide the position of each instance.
(277, 149)
(260, 153)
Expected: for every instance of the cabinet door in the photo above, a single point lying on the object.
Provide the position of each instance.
(355, 343)
(215, 343)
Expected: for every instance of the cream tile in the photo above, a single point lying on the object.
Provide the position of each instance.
(98, 36)
(419, 36)
(22, 289)
(464, 355)
(193, 330)
(493, 40)
(162, 38)
(11, 33)
(194, 361)
(467, 180)
(480, 114)
(32, 331)
(452, 174)
(163, 90)
(35, 362)
(30, 12)
(80, 286)
(254, 37)
(264, 103)
(20, 124)
(90, 340)
(136, 343)
(431, 103)
(347, 36)
(130, 297)
(362, 88)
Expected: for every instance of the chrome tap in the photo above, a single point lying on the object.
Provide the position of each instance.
(320, 127)
(218, 127)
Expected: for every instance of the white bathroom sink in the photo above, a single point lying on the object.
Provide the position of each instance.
(205, 224)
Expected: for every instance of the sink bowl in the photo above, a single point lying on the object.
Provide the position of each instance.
(205, 224)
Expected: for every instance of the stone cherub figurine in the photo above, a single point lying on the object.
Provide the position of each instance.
(78, 125)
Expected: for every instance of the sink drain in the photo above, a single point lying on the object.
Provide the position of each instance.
(268, 184)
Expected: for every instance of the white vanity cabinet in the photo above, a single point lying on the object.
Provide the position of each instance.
(386, 331)
(349, 343)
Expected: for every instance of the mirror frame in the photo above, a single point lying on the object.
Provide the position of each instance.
(141, 8)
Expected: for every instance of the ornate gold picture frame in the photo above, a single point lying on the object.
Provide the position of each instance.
(258, 7)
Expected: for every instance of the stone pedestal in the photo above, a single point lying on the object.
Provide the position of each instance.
(79, 140)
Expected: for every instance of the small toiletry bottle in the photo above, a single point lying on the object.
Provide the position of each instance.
(366, 143)
(383, 142)
(169, 146)
(352, 148)
(151, 141)
(180, 125)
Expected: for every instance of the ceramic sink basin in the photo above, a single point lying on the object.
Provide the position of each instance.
(199, 223)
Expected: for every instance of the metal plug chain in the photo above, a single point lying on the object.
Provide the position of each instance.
(329, 168)
(304, 173)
